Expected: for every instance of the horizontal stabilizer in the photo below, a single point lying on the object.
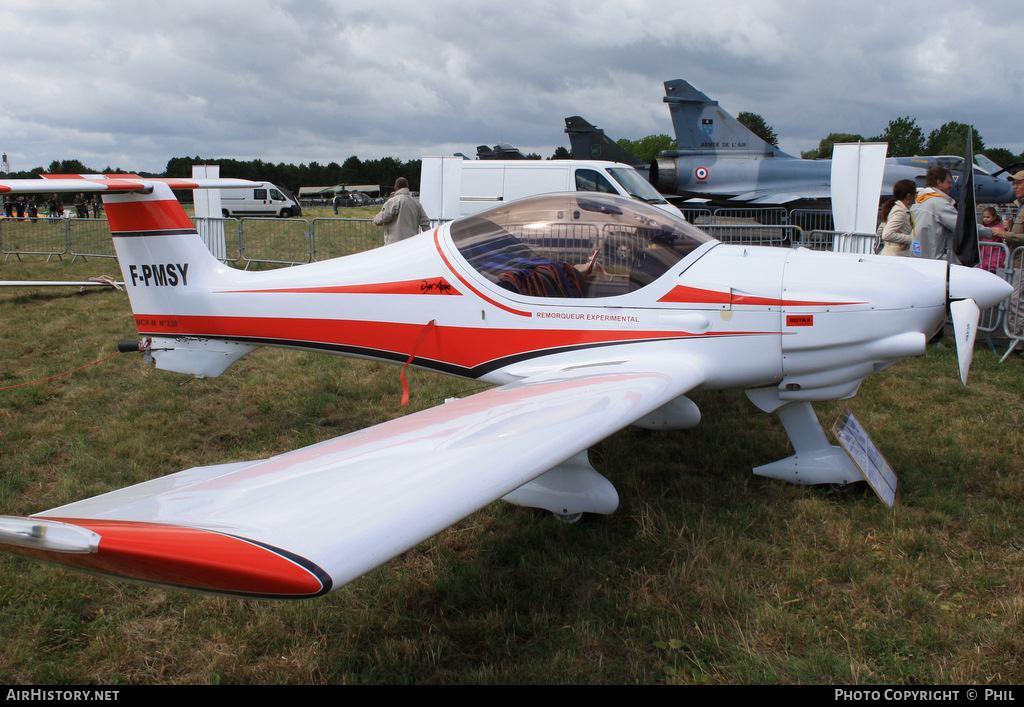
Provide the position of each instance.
(111, 183)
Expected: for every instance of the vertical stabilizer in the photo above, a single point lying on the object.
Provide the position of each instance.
(590, 143)
(169, 274)
(160, 253)
(703, 128)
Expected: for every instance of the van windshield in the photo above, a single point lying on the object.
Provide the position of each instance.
(574, 244)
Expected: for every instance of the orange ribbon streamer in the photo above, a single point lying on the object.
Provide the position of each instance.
(419, 340)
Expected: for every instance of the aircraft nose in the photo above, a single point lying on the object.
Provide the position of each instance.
(983, 287)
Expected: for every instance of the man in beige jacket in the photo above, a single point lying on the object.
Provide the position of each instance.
(402, 216)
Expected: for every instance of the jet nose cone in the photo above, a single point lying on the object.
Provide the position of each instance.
(983, 287)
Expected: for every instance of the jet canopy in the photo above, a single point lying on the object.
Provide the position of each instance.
(574, 244)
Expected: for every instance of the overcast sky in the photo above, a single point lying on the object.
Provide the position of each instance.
(133, 83)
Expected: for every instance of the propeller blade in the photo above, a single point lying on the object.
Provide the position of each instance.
(965, 315)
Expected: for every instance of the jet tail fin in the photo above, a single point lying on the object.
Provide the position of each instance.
(590, 143)
(703, 128)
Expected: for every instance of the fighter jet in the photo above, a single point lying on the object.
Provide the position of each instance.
(718, 159)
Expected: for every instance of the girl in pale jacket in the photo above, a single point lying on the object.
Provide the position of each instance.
(898, 233)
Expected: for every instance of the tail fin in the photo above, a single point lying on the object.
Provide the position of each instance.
(169, 274)
(703, 128)
(159, 251)
(590, 143)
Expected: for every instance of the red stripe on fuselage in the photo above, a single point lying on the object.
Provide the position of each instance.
(461, 346)
(128, 216)
(187, 557)
(425, 286)
(695, 295)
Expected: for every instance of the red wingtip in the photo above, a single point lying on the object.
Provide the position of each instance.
(191, 558)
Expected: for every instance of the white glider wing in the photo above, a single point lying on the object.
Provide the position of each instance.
(65, 183)
(308, 521)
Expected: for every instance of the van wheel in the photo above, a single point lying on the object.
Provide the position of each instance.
(286, 213)
(226, 213)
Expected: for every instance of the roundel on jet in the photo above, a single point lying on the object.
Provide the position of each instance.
(701, 173)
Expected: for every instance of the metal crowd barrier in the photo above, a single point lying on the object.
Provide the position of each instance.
(34, 237)
(763, 226)
(293, 241)
(334, 237)
(995, 257)
(771, 226)
(837, 241)
(751, 234)
(812, 220)
(1013, 319)
(248, 241)
(57, 237)
(274, 241)
(768, 216)
(223, 236)
(89, 238)
(696, 215)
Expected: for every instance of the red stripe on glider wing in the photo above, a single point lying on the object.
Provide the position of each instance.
(186, 557)
(110, 182)
(92, 177)
(130, 216)
(179, 183)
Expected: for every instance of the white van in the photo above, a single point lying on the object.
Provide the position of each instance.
(262, 200)
(487, 183)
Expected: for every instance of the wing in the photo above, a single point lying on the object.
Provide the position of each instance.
(784, 195)
(64, 183)
(308, 521)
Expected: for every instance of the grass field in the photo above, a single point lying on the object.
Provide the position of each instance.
(706, 574)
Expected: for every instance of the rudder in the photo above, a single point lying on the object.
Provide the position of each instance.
(703, 128)
(169, 275)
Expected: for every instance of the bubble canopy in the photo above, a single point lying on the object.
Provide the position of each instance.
(575, 245)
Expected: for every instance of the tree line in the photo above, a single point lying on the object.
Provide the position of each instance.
(382, 172)
(904, 135)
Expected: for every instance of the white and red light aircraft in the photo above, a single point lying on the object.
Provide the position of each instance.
(590, 312)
